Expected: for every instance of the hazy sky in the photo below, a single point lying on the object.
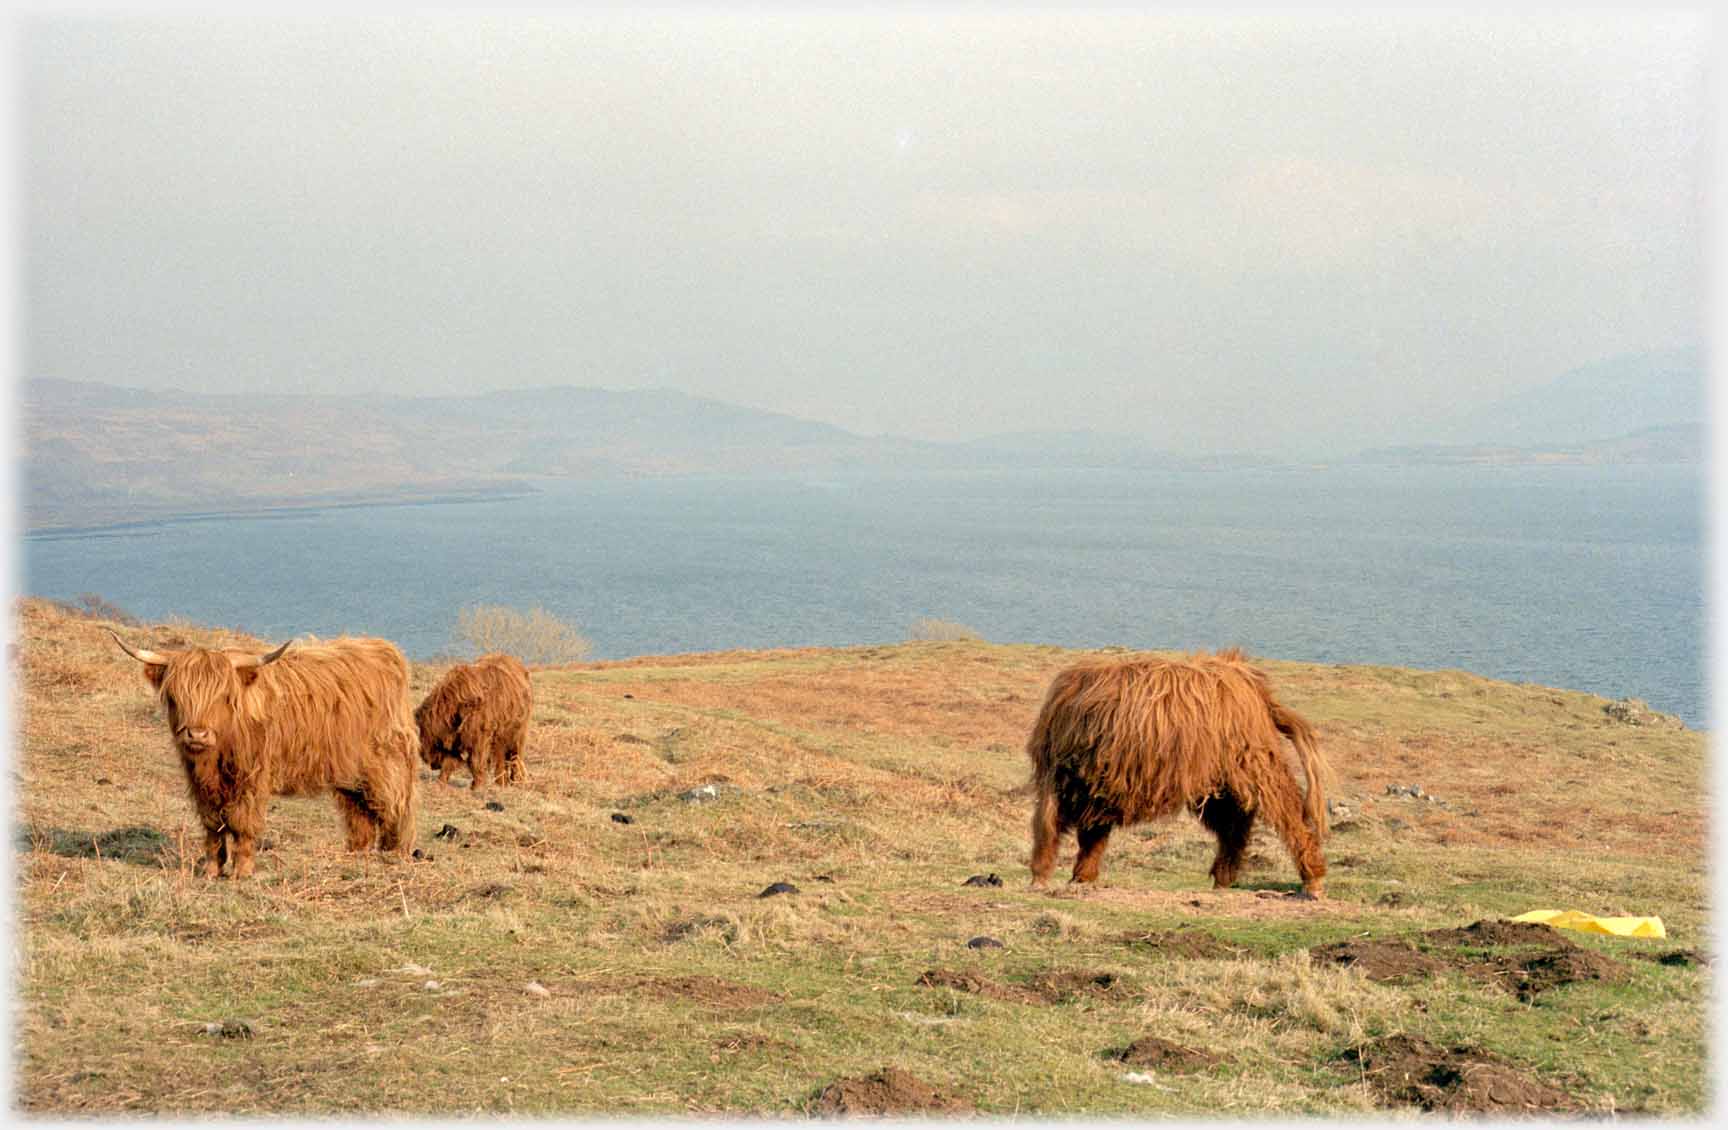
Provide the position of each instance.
(1241, 231)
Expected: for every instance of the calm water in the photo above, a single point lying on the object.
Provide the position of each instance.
(1587, 578)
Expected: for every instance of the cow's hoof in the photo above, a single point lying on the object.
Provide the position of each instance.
(1305, 896)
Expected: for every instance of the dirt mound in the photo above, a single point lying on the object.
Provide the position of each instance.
(888, 1091)
(1541, 959)
(690, 927)
(1188, 945)
(1531, 974)
(1410, 1071)
(1381, 961)
(1060, 986)
(1155, 1051)
(972, 983)
(1049, 987)
(1499, 933)
(740, 1042)
(709, 992)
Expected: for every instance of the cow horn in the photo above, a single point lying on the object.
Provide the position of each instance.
(261, 660)
(142, 655)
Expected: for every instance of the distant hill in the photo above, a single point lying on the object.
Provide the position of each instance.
(1673, 443)
(98, 454)
(1601, 402)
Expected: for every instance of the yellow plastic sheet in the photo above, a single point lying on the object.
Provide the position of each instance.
(1577, 920)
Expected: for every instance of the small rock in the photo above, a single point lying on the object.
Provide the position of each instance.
(620, 818)
(432, 986)
(777, 889)
(494, 806)
(990, 880)
(824, 878)
(700, 793)
(627, 694)
(422, 856)
(411, 970)
(366, 983)
(103, 781)
(536, 989)
(229, 1029)
(447, 832)
(984, 942)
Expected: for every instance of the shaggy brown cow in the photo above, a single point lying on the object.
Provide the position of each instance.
(330, 715)
(1124, 741)
(478, 715)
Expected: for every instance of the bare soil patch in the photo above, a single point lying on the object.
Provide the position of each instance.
(1410, 1071)
(1382, 960)
(885, 1092)
(1159, 1053)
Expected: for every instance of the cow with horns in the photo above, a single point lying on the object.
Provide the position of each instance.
(1129, 740)
(324, 716)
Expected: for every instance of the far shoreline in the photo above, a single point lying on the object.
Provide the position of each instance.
(277, 510)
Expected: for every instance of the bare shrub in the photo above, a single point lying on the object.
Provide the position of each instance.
(535, 636)
(91, 606)
(930, 629)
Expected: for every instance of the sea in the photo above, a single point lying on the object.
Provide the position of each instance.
(1586, 578)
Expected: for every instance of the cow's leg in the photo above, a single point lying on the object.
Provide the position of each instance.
(1282, 804)
(215, 851)
(445, 769)
(1225, 817)
(246, 819)
(1093, 838)
(359, 820)
(1046, 834)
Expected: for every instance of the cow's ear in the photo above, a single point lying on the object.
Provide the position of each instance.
(248, 675)
(153, 673)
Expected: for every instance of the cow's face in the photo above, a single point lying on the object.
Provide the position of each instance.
(434, 739)
(201, 690)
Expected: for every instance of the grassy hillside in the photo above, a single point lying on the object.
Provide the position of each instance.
(597, 940)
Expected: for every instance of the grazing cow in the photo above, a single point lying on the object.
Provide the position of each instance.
(331, 715)
(478, 715)
(1124, 741)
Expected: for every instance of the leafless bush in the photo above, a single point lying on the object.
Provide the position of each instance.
(535, 637)
(90, 606)
(928, 629)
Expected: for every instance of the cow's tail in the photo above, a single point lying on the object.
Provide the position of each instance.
(1314, 767)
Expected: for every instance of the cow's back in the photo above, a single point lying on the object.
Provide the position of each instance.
(326, 706)
(1138, 737)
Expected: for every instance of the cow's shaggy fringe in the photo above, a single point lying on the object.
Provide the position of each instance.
(325, 715)
(1124, 741)
(478, 715)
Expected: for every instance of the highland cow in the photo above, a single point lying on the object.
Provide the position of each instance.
(477, 716)
(331, 715)
(1125, 741)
